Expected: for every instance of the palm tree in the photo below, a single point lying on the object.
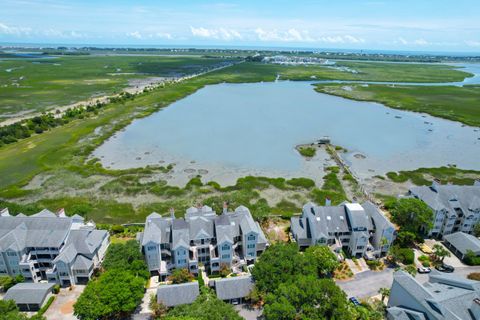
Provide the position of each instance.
(440, 252)
(385, 292)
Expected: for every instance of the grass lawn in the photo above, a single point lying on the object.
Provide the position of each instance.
(449, 102)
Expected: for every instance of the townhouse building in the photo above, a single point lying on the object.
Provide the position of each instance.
(201, 237)
(49, 246)
(456, 208)
(358, 229)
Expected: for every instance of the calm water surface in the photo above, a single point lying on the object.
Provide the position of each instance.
(252, 128)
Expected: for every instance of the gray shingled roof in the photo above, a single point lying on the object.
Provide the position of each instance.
(29, 293)
(82, 263)
(41, 230)
(176, 294)
(463, 242)
(440, 197)
(233, 288)
(443, 296)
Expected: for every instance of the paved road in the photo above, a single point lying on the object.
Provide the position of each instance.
(367, 284)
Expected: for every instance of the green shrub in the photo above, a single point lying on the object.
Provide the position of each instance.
(471, 259)
(474, 276)
(406, 255)
(46, 306)
(301, 182)
(56, 289)
(308, 152)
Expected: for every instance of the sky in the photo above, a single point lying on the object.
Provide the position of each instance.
(400, 25)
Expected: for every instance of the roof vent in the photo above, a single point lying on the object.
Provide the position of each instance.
(341, 218)
(329, 218)
(318, 218)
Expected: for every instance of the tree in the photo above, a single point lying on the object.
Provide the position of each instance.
(385, 292)
(323, 258)
(205, 307)
(411, 215)
(114, 295)
(440, 252)
(405, 238)
(476, 230)
(308, 297)
(280, 263)
(224, 270)
(159, 309)
(180, 276)
(9, 311)
(126, 257)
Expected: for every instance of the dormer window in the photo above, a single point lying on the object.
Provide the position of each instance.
(251, 237)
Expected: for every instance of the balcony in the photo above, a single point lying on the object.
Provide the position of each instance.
(193, 255)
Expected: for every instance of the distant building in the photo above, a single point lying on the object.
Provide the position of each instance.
(443, 297)
(456, 208)
(356, 228)
(460, 243)
(232, 238)
(172, 295)
(29, 296)
(49, 246)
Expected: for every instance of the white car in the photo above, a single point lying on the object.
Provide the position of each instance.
(423, 270)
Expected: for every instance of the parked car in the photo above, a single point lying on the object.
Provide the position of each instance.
(424, 270)
(354, 301)
(445, 268)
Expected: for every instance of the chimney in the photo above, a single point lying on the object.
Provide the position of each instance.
(225, 207)
(172, 213)
(61, 213)
(328, 202)
(4, 213)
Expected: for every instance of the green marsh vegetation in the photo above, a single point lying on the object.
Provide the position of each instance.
(448, 102)
(425, 176)
(41, 83)
(81, 185)
(307, 152)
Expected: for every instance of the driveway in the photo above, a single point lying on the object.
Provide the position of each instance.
(452, 260)
(62, 306)
(367, 284)
(248, 313)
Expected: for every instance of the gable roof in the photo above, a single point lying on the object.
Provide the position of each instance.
(233, 288)
(463, 242)
(29, 293)
(44, 229)
(449, 197)
(176, 294)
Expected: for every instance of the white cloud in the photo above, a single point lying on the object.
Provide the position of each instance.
(294, 35)
(473, 43)
(9, 30)
(138, 35)
(291, 35)
(134, 34)
(218, 33)
(421, 42)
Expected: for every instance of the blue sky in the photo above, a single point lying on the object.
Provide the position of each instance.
(411, 25)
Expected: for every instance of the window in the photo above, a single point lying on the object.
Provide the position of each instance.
(11, 254)
(151, 248)
(225, 247)
(250, 246)
(251, 237)
(225, 256)
(360, 247)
